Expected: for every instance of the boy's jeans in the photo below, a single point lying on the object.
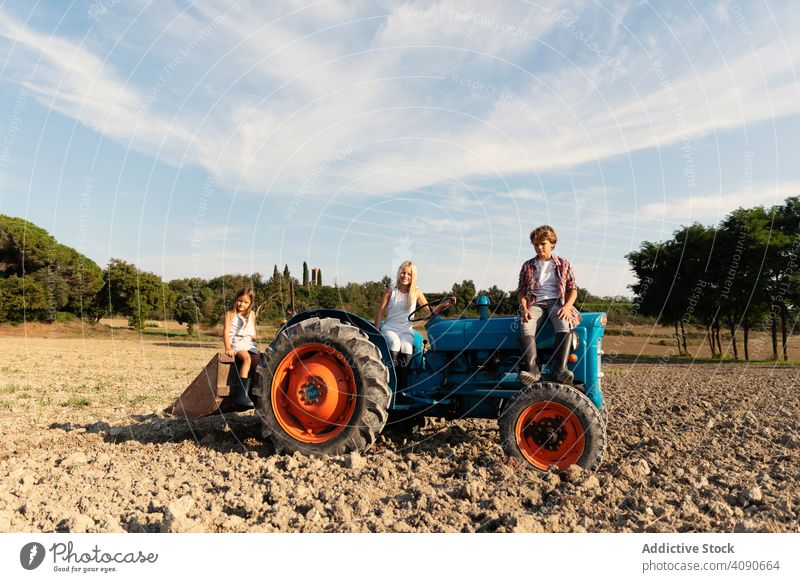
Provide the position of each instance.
(540, 312)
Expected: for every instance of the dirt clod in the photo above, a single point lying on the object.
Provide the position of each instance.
(751, 495)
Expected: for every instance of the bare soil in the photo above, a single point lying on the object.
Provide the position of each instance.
(657, 341)
(85, 448)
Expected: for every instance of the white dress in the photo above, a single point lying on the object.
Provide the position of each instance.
(396, 328)
(241, 333)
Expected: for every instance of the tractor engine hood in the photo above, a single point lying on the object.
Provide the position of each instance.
(492, 334)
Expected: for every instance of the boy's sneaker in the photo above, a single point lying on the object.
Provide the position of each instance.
(529, 378)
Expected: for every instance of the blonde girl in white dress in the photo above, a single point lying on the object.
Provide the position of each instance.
(239, 335)
(398, 303)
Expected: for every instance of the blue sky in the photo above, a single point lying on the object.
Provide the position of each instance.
(203, 138)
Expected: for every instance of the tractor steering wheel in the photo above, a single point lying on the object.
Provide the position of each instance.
(446, 302)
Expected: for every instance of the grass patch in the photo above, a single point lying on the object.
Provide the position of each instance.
(164, 331)
(623, 331)
(119, 398)
(142, 399)
(180, 333)
(86, 387)
(9, 389)
(77, 402)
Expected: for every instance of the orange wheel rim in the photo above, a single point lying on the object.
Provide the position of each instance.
(549, 433)
(313, 393)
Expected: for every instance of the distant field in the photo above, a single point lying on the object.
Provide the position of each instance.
(638, 340)
(659, 341)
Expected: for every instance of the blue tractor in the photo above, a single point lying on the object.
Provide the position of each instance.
(327, 385)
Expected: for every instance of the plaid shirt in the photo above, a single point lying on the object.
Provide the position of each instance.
(566, 282)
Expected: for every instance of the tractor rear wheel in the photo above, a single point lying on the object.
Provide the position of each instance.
(604, 414)
(324, 389)
(553, 424)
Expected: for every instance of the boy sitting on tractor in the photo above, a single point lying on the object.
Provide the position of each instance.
(547, 291)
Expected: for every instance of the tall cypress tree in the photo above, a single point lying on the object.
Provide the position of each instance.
(305, 274)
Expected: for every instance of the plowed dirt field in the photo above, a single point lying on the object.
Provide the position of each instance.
(85, 448)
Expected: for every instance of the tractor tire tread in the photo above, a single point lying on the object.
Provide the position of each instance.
(372, 381)
(591, 418)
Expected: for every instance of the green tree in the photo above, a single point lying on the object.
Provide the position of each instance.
(784, 260)
(68, 279)
(741, 274)
(696, 284)
(765, 279)
(305, 274)
(655, 267)
(583, 296)
(24, 247)
(186, 310)
(789, 223)
(465, 294)
(328, 297)
(128, 291)
(22, 299)
(743, 298)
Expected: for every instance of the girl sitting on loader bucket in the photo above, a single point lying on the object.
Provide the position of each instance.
(239, 335)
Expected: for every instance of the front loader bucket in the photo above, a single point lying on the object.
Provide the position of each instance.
(206, 393)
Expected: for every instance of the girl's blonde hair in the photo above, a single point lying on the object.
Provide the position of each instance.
(242, 292)
(412, 288)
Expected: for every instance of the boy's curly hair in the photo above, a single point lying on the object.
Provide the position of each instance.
(544, 232)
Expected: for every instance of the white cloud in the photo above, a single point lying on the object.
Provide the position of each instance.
(266, 99)
(67, 77)
(501, 29)
(712, 208)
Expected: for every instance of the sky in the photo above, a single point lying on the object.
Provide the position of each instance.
(200, 138)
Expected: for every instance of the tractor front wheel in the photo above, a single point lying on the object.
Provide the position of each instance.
(323, 389)
(553, 424)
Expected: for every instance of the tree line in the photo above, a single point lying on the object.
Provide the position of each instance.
(43, 280)
(742, 275)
